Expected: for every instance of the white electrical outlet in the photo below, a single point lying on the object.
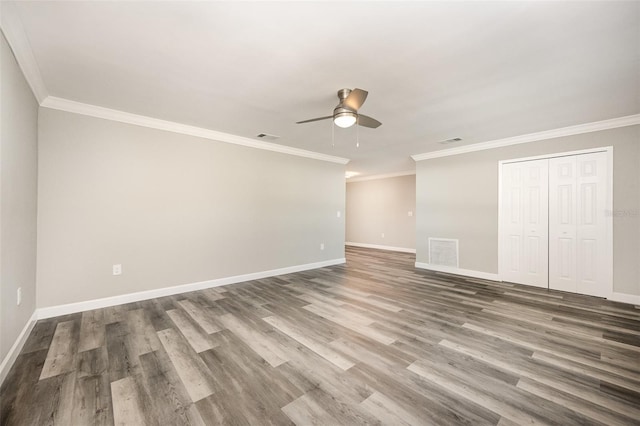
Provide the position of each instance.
(382, 235)
(410, 214)
(19, 296)
(117, 269)
(338, 214)
(321, 246)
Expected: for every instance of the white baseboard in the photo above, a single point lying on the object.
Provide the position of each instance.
(71, 308)
(13, 353)
(458, 271)
(633, 299)
(379, 247)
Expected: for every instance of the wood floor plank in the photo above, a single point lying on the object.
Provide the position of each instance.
(627, 382)
(353, 322)
(171, 401)
(217, 410)
(388, 411)
(57, 392)
(318, 407)
(593, 411)
(92, 401)
(193, 372)
(196, 336)
(269, 350)
(317, 347)
(62, 351)
(309, 371)
(261, 393)
(158, 314)
(18, 390)
(428, 399)
(456, 386)
(372, 353)
(200, 316)
(122, 360)
(113, 314)
(92, 330)
(235, 366)
(142, 334)
(127, 404)
(535, 372)
(41, 335)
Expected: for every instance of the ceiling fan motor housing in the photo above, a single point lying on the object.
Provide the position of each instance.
(343, 94)
(342, 110)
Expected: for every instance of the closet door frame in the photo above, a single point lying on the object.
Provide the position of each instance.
(609, 208)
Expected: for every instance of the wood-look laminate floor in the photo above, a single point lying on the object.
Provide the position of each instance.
(370, 342)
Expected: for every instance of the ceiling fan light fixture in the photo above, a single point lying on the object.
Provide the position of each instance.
(345, 114)
(345, 119)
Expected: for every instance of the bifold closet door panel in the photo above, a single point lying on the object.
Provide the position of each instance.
(591, 236)
(525, 222)
(577, 224)
(562, 224)
(512, 226)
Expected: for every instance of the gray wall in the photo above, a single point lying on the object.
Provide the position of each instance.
(172, 209)
(18, 185)
(457, 197)
(381, 206)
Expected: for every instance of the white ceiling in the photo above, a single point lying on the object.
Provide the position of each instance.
(434, 70)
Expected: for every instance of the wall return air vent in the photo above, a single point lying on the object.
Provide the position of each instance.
(443, 252)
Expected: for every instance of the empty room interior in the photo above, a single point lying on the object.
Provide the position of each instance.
(319, 213)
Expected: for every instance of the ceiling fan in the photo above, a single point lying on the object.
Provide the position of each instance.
(345, 114)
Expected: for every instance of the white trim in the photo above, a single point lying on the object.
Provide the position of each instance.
(19, 42)
(500, 230)
(170, 126)
(556, 155)
(379, 247)
(596, 126)
(13, 353)
(382, 176)
(632, 299)
(71, 308)
(458, 271)
(609, 221)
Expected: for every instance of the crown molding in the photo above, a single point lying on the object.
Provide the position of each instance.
(629, 120)
(170, 126)
(382, 176)
(19, 43)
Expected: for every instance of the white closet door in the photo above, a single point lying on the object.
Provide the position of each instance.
(577, 224)
(525, 222)
(591, 250)
(562, 224)
(512, 225)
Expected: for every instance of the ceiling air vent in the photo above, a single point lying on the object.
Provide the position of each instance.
(448, 141)
(268, 137)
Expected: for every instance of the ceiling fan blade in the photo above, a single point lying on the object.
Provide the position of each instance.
(355, 99)
(314, 119)
(366, 121)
